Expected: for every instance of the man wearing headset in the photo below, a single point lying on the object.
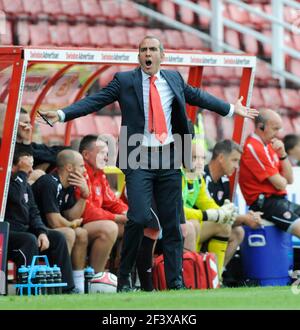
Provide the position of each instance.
(265, 171)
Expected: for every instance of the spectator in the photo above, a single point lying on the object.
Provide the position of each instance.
(292, 147)
(54, 195)
(150, 128)
(265, 172)
(225, 160)
(212, 223)
(28, 235)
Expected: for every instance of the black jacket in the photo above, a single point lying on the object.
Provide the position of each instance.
(21, 210)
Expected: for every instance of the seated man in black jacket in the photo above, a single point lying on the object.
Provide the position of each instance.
(44, 156)
(28, 235)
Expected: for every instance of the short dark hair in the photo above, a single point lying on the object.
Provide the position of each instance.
(225, 147)
(86, 142)
(290, 141)
(161, 46)
(20, 151)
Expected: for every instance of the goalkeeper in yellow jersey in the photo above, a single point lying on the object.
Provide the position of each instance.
(211, 222)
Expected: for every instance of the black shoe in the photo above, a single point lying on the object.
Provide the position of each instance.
(124, 285)
(124, 288)
(179, 287)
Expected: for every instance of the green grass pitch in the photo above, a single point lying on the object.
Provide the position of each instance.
(225, 298)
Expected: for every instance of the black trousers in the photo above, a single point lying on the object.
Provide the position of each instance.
(164, 185)
(23, 245)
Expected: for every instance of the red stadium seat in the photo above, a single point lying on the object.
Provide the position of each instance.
(99, 35)
(209, 74)
(288, 127)
(296, 123)
(204, 21)
(225, 73)
(118, 36)
(290, 98)
(295, 67)
(59, 35)
(85, 125)
(256, 20)
(91, 8)
(79, 35)
(192, 42)
(272, 98)
(129, 12)
(296, 38)
(288, 39)
(267, 47)
(238, 14)
(257, 100)
(159, 34)
(39, 34)
(107, 75)
(106, 125)
(33, 7)
(250, 44)
(290, 14)
(168, 8)
(52, 7)
(231, 94)
(7, 38)
(22, 33)
(71, 8)
(110, 9)
(187, 15)
(13, 8)
(135, 35)
(174, 39)
(225, 124)
(232, 38)
(263, 73)
(210, 126)
(216, 91)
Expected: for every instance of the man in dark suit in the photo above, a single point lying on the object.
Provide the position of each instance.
(152, 102)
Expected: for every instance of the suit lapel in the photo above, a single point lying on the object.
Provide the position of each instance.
(138, 87)
(172, 83)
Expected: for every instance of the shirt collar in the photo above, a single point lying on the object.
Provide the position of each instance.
(146, 76)
(256, 137)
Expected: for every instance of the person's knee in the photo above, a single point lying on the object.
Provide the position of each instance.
(238, 233)
(70, 235)
(81, 236)
(110, 231)
(224, 230)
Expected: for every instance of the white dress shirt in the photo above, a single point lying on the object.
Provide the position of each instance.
(166, 97)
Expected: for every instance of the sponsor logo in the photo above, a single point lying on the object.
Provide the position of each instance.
(174, 59)
(115, 57)
(203, 60)
(35, 54)
(237, 61)
(287, 215)
(80, 56)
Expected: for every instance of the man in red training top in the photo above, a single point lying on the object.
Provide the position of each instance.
(102, 203)
(265, 172)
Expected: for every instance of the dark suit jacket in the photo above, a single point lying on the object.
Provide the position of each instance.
(126, 88)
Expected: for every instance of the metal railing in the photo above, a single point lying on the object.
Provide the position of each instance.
(218, 23)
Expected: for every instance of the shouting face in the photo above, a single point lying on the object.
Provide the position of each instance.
(150, 55)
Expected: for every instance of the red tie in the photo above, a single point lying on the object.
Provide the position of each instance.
(157, 120)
